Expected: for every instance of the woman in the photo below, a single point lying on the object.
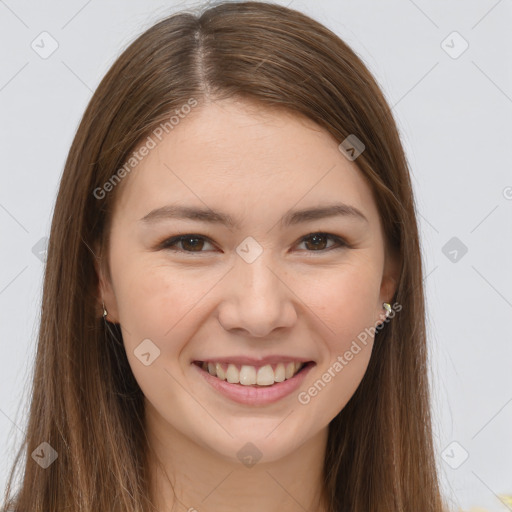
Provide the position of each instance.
(233, 312)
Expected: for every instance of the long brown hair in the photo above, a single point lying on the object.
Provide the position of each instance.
(85, 402)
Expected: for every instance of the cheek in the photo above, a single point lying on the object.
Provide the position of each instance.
(345, 303)
(344, 300)
(155, 300)
(157, 307)
(334, 384)
(347, 307)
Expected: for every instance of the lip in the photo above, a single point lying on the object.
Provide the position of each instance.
(252, 395)
(253, 361)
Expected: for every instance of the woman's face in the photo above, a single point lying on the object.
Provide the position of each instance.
(261, 291)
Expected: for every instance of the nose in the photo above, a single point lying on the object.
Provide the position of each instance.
(257, 300)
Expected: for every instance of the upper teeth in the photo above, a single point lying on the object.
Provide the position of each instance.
(248, 375)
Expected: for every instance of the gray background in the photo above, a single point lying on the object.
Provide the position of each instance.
(455, 117)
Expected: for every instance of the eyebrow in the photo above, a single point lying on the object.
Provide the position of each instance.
(291, 218)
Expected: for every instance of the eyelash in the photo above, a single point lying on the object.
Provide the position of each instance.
(170, 242)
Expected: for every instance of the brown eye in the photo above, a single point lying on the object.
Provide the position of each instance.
(316, 242)
(192, 243)
(189, 243)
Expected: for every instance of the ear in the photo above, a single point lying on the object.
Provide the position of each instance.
(389, 283)
(105, 291)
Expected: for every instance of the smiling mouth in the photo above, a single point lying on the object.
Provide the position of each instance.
(246, 375)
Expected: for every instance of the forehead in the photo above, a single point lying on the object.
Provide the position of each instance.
(241, 157)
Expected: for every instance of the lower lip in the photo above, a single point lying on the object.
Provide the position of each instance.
(252, 395)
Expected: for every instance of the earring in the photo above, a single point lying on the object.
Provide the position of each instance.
(104, 311)
(387, 307)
